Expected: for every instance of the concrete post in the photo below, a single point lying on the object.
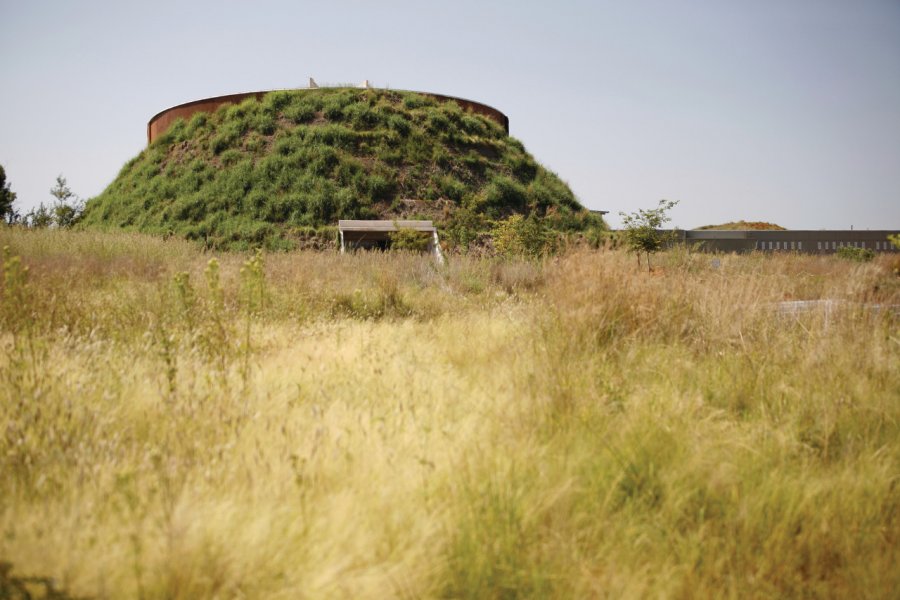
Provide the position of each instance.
(438, 255)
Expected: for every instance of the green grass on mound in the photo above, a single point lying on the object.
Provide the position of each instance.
(277, 170)
(744, 226)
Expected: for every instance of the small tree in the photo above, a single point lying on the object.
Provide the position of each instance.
(39, 217)
(7, 199)
(68, 207)
(642, 229)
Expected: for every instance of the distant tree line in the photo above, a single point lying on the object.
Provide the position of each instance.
(64, 211)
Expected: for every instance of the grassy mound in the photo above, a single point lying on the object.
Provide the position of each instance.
(744, 226)
(273, 171)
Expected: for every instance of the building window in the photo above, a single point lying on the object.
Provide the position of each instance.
(799, 245)
(834, 245)
(770, 245)
(818, 245)
(793, 246)
(862, 245)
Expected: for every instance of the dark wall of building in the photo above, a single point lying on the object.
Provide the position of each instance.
(161, 122)
(806, 241)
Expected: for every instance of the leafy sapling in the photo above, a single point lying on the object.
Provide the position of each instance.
(642, 229)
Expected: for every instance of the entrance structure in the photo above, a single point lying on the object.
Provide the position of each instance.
(376, 235)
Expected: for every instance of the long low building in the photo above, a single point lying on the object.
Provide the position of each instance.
(807, 241)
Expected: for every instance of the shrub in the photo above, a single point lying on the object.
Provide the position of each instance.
(197, 122)
(464, 228)
(399, 123)
(409, 240)
(287, 145)
(437, 121)
(504, 194)
(856, 254)
(452, 188)
(414, 101)
(523, 167)
(381, 186)
(230, 157)
(362, 116)
(333, 107)
(264, 123)
(300, 113)
(334, 136)
(473, 125)
(518, 236)
(277, 101)
(547, 190)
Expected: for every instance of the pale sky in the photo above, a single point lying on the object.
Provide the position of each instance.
(778, 110)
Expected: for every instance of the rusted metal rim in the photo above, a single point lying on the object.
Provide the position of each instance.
(161, 121)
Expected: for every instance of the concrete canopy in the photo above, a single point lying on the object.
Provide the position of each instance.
(376, 235)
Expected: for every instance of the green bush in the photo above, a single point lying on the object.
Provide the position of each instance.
(230, 157)
(856, 254)
(464, 228)
(264, 123)
(452, 188)
(520, 236)
(300, 113)
(503, 194)
(400, 124)
(409, 240)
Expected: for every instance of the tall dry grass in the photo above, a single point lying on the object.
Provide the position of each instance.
(316, 425)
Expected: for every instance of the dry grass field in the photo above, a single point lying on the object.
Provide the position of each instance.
(176, 424)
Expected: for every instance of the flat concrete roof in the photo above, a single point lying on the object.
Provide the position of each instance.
(351, 225)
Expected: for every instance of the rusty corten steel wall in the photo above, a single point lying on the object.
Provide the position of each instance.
(163, 120)
(477, 107)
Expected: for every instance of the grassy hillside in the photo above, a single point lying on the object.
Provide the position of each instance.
(317, 425)
(744, 226)
(269, 171)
